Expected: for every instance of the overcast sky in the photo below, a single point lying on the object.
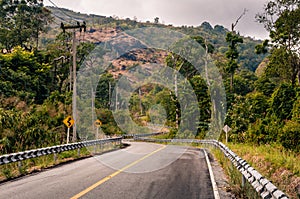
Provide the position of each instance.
(177, 12)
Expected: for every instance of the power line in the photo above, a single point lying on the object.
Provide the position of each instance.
(58, 18)
(62, 12)
(60, 9)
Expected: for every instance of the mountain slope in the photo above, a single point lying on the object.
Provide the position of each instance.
(101, 28)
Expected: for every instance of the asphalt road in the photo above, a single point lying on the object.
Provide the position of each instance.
(142, 170)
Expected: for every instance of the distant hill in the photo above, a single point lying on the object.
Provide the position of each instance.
(102, 28)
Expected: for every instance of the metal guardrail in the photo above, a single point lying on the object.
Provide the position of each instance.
(141, 135)
(263, 186)
(15, 157)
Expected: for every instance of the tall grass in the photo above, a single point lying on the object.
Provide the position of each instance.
(275, 155)
(237, 187)
(279, 165)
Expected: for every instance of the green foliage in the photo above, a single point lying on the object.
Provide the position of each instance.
(232, 55)
(35, 89)
(264, 85)
(109, 126)
(26, 126)
(282, 101)
(296, 109)
(203, 97)
(7, 173)
(83, 49)
(33, 130)
(21, 22)
(257, 106)
(244, 82)
(263, 131)
(261, 119)
(281, 19)
(273, 161)
(204, 44)
(104, 91)
(165, 99)
(235, 178)
(290, 137)
(233, 40)
(262, 48)
(23, 72)
(281, 66)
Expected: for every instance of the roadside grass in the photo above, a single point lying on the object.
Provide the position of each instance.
(234, 178)
(275, 155)
(17, 169)
(280, 166)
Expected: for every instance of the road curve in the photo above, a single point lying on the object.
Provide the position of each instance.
(142, 170)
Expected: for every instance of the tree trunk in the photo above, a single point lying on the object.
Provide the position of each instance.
(176, 94)
(206, 64)
(299, 77)
(231, 82)
(37, 39)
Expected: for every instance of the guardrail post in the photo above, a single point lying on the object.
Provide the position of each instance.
(243, 181)
(55, 157)
(20, 166)
(78, 152)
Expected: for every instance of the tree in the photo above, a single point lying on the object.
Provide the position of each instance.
(204, 102)
(24, 75)
(104, 91)
(290, 138)
(264, 85)
(296, 109)
(280, 65)
(262, 48)
(21, 22)
(188, 70)
(281, 19)
(232, 53)
(282, 101)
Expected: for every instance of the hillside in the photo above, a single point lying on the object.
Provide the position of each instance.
(101, 28)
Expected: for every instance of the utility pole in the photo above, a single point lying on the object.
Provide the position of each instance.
(109, 93)
(140, 97)
(74, 49)
(176, 71)
(93, 108)
(116, 108)
(74, 105)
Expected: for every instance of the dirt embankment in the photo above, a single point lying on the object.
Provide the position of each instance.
(139, 55)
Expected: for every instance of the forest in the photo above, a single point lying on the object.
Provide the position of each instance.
(261, 78)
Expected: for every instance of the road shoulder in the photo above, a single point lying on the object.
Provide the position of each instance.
(220, 178)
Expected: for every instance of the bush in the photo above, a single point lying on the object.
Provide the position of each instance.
(290, 138)
(282, 101)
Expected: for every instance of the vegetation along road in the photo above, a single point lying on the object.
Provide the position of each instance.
(61, 65)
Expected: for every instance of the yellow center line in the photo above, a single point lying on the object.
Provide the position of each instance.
(114, 174)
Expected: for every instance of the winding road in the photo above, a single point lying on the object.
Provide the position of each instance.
(142, 170)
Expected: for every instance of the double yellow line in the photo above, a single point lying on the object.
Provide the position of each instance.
(114, 174)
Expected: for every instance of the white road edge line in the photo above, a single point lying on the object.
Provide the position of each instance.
(212, 178)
